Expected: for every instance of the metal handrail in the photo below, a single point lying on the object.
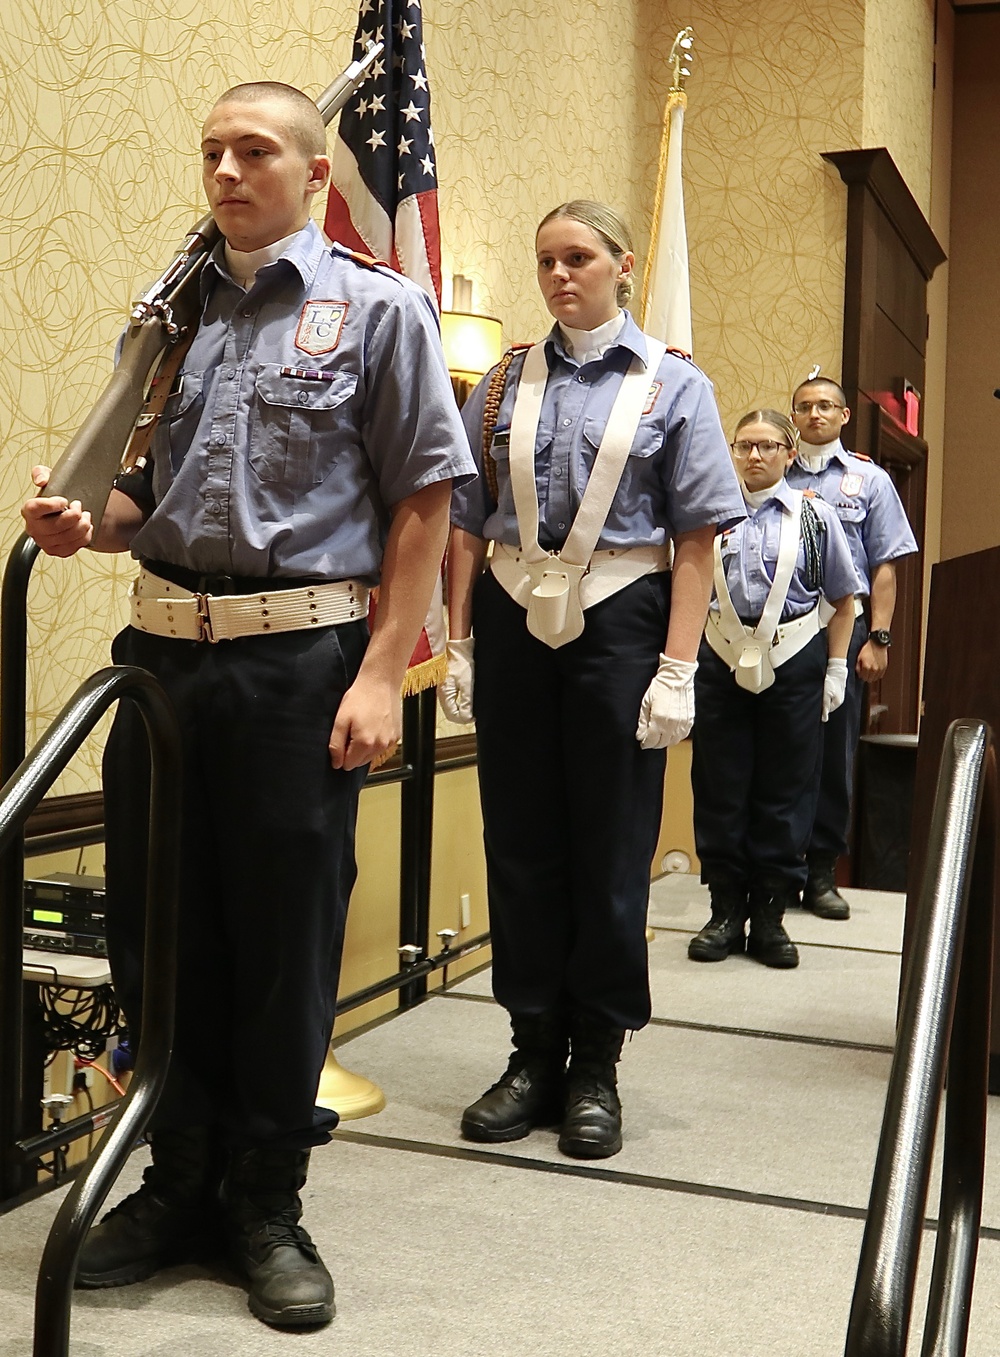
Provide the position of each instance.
(944, 1027)
(18, 797)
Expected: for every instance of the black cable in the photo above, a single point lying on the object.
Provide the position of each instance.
(79, 1020)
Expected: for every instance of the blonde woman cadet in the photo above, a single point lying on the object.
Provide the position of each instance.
(606, 449)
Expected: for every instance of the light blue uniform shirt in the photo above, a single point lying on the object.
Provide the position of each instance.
(866, 502)
(679, 474)
(750, 553)
(307, 407)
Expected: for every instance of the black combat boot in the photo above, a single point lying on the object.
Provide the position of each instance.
(767, 941)
(725, 932)
(289, 1285)
(173, 1217)
(821, 895)
(592, 1126)
(532, 1090)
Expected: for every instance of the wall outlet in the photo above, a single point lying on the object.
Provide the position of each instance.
(464, 911)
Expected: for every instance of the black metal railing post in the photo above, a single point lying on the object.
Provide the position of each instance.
(944, 1025)
(18, 797)
(416, 835)
(14, 1175)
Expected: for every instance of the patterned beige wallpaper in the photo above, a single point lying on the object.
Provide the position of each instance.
(899, 87)
(533, 102)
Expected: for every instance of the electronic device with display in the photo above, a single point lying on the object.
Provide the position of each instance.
(65, 913)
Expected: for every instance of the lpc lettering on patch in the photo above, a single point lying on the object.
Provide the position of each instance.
(319, 326)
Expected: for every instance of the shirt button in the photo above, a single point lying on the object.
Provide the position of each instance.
(231, 375)
(303, 398)
(247, 314)
(561, 526)
(558, 470)
(215, 509)
(219, 439)
(567, 423)
(580, 377)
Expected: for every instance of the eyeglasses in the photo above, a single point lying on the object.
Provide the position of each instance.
(765, 446)
(824, 407)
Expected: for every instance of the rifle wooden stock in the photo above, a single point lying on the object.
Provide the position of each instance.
(87, 469)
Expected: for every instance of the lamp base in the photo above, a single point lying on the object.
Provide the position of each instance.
(350, 1095)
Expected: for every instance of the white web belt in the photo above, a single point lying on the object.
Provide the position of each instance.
(165, 609)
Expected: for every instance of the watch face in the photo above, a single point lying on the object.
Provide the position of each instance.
(880, 637)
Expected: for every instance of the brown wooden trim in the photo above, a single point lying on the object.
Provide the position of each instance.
(455, 747)
(875, 170)
(56, 814)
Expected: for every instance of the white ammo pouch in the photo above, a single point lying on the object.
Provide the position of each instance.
(753, 653)
(556, 586)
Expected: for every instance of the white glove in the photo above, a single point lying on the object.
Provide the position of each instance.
(455, 693)
(834, 686)
(667, 711)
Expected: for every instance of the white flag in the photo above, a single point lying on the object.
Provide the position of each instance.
(666, 290)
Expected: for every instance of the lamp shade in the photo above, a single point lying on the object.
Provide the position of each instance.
(472, 344)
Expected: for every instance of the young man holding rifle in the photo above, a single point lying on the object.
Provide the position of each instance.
(305, 454)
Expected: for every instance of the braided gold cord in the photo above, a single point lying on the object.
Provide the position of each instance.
(494, 395)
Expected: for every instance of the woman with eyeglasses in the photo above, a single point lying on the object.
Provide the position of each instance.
(769, 672)
(597, 448)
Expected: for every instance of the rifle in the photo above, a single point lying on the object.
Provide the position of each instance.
(161, 320)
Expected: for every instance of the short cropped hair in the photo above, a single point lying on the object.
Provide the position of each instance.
(605, 222)
(821, 381)
(777, 421)
(304, 120)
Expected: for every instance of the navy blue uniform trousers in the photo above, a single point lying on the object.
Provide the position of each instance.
(267, 868)
(571, 802)
(755, 767)
(840, 743)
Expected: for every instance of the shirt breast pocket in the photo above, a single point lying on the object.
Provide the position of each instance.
(178, 423)
(298, 425)
(638, 500)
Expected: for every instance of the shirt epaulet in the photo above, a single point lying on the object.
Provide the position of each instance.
(861, 456)
(809, 494)
(681, 353)
(366, 261)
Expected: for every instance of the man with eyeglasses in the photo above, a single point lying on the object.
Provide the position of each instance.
(878, 532)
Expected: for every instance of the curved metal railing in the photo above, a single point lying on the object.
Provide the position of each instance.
(18, 797)
(944, 1028)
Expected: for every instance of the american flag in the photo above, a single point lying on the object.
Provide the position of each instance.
(383, 190)
(383, 202)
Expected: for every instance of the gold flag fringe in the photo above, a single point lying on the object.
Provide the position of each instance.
(426, 674)
(675, 99)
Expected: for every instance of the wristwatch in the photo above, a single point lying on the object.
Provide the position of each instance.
(880, 636)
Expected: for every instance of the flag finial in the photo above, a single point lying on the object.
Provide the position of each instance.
(681, 55)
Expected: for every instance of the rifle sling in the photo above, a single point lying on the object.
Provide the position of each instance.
(134, 456)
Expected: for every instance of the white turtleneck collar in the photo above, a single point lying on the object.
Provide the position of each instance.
(755, 498)
(817, 459)
(586, 345)
(243, 265)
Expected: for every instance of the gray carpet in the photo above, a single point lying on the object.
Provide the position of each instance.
(728, 1226)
